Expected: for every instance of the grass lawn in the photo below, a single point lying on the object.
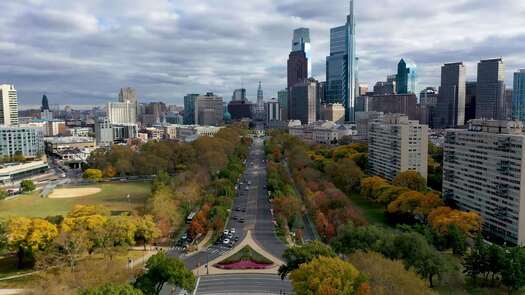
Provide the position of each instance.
(373, 212)
(112, 195)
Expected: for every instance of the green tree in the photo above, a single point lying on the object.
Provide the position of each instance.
(476, 262)
(112, 289)
(27, 186)
(513, 274)
(297, 255)
(345, 174)
(456, 240)
(3, 194)
(161, 269)
(92, 174)
(328, 276)
(388, 277)
(411, 180)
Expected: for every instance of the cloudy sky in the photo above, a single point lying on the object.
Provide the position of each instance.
(82, 52)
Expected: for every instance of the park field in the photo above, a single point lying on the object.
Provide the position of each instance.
(111, 195)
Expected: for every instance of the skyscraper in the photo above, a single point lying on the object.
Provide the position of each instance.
(301, 43)
(189, 108)
(518, 96)
(490, 98)
(282, 97)
(239, 95)
(406, 77)
(127, 94)
(341, 66)
(470, 101)
(451, 98)
(8, 105)
(303, 101)
(45, 103)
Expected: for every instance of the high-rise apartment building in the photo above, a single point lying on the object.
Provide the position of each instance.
(518, 96)
(341, 72)
(122, 112)
(483, 171)
(451, 99)
(8, 105)
(427, 106)
(28, 141)
(189, 108)
(303, 101)
(406, 77)
(490, 98)
(103, 131)
(397, 144)
(209, 110)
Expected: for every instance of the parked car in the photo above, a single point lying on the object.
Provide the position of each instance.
(225, 232)
(232, 230)
(226, 241)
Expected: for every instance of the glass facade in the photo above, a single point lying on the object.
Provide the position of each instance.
(518, 96)
(406, 77)
(341, 66)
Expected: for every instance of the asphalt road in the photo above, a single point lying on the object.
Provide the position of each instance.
(252, 196)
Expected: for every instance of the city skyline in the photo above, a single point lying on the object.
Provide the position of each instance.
(168, 50)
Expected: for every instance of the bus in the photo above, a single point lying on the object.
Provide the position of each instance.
(190, 217)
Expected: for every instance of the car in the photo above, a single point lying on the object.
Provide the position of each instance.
(232, 230)
(237, 208)
(235, 217)
(225, 232)
(226, 241)
(236, 239)
(243, 210)
(230, 236)
(241, 220)
(184, 237)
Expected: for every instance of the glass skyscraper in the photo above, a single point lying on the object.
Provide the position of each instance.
(518, 96)
(301, 42)
(406, 77)
(341, 69)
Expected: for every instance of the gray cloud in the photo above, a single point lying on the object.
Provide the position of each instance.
(82, 52)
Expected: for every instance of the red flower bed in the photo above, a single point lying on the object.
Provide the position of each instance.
(244, 264)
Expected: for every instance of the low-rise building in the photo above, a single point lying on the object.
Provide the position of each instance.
(54, 145)
(16, 171)
(397, 144)
(322, 132)
(484, 171)
(334, 112)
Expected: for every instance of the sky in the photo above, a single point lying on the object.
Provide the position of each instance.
(83, 52)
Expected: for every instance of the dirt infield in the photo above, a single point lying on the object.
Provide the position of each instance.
(66, 193)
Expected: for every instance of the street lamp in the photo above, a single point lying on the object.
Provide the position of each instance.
(129, 203)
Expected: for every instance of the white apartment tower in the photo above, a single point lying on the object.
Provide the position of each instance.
(122, 112)
(8, 105)
(484, 171)
(395, 145)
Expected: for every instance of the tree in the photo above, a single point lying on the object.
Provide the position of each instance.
(88, 210)
(297, 255)
(161, 269)
(112, 289)
(26, 235)
(351, 238)
(388, 277)
(513, 274)
(475, 262)
(345, 174)
(411, 180)
(432, 264)
(3, 194)
(110, 171)
(468, 222)
(27, 186)
(146, 229)
(92, 174)
(328, 276)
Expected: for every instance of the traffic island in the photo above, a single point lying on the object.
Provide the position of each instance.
(246, 258)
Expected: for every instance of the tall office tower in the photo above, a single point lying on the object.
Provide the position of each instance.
(405, 104)
(395, 145)
(301, 43)
(451, 99)
(303, 101)
(490, 98)
(483, 171)
(189, 108)
(239, 95)
(45, 103)
(518, 96)
(8, 105)
(427, 106)
(406, 77)
(282, 97)
(209, 110)
(127, 94)
(341, 66)
(508, 103)
(362, 103)
(470, 101)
